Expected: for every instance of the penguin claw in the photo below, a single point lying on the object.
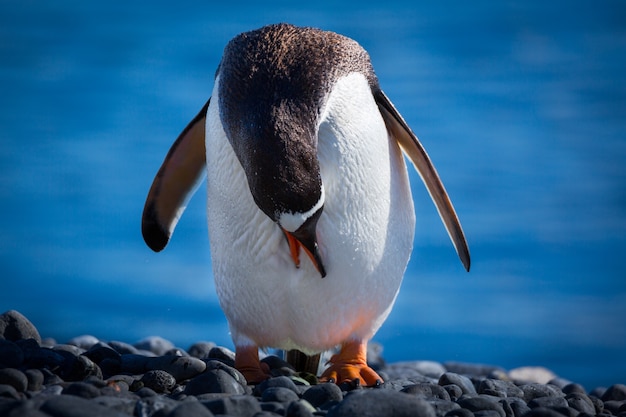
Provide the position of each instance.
(350, 366)
(247, 362)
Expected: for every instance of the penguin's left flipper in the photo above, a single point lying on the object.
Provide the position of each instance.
(411, 146)
(350, 365)
(177, 180)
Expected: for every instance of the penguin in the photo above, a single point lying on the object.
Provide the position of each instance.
(310, 214)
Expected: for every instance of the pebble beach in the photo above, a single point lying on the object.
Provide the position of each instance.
(154, 378)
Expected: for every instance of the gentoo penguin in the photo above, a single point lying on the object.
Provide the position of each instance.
(310, 213)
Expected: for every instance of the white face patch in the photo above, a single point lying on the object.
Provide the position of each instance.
(291, 221)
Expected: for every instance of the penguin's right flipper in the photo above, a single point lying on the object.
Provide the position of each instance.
(178, 178)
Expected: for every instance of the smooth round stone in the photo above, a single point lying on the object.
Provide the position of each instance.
(459, 412)
(123, 348)
(15, 378)
(77, 368)
(499, 388)
(427, 391)
(473, 369)
(581, 402)
(10, 354)
(180, 367)
(8, 391)
(159, 381)
(381, 402)
(72, 406)
(189, 409)
(300, 408)
(412, 369)
(320, 394)
(123, 404)
(14, 326)
(101, 351)
(461, 381)
(236, 405)
(214, 381)
(442, 407)
(279, 394)
(454, 391)
(35, 379)
(279, 381)
(532, 374)
(535, 390)
(475, 404)
(84, 342)
(200, 350)
(150, 406)
(82, 389)
(155, 344)
(237, 376)
(543, 412)
(548, 402)
(615, 392)
(514, 406)
(133, 363)
(222, 354)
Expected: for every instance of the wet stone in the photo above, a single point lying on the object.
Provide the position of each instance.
(514, 406)
(190, 408)
(35, 379)
(84, 342)
(222, 354)
(535, 390)
(299, 408)
(82, 389)
(549, 402)
(72, 406)
(476, 404)
(454, 391)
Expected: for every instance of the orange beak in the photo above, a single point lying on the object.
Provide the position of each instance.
(306, 240)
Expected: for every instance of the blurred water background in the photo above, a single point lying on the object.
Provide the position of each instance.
(521, 105)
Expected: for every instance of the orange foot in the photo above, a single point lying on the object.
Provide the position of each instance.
(350, 365)
(247, 362)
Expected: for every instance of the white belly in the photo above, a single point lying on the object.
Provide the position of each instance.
(365, 234)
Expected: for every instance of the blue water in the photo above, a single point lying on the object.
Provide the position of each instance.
(522, 107)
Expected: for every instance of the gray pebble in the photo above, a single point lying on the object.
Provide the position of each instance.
(236, 405)
(549, 402)
(475, 404)
(214, 381)
(180, 367)
(615, 392)
(159, 381)
(82, 389)
(443, 407)
(123, 348)
(154, 344)
(71, 406)
(474, 369)
(273, 407)
(299, 408)
(133, 363)
(320, 394)
(459, 412)
(35, 379)
(77, 368)
(499, 388)
(279, 394)
(543, 412)
(461, 381)
(581, 402)
(514, 406)
(279, 381)
(122, 404)
(8, 391)
(428, 391)
(190, 408)
(15, 378)
(149, 406)
(454, 391)
(14, 326)
(378, 402)
(222, 354)
(200, 350)
(535, 390)
(84, 342)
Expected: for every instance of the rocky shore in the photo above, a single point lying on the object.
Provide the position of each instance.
(153, 378)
